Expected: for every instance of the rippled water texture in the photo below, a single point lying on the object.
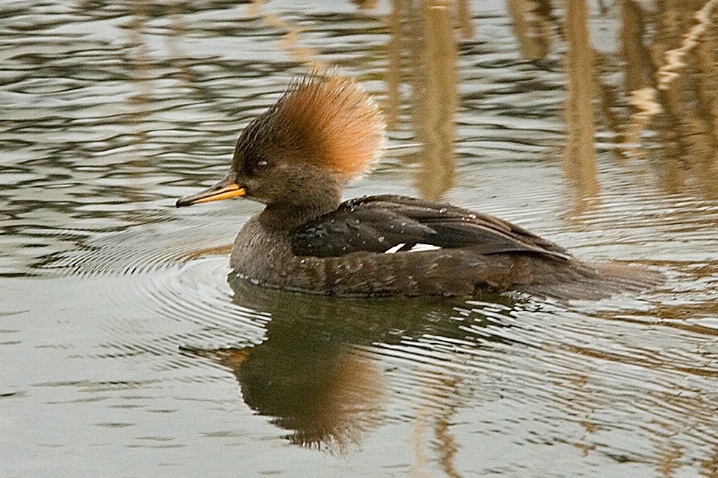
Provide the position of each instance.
(126, 351)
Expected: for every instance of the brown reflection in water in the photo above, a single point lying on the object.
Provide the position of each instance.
(439, 99)
(317, 373)
(697, 410)
(669, 459)
(142, 73)
(447, 443)
(422, 51)
(224, 250)
(328, 396)
(142, 77)
(670, 58)
(709, 468)
(686, 52)
(531, 22)
(290, 40)
(579, 153)
(639, 83)
(437, 417)
(365, 4)
(585, 397)
(668, 61)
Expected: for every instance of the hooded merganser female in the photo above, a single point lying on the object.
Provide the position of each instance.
(297, 157)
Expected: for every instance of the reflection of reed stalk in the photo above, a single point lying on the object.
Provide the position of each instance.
(646, 107)
(531, 23)
(675, 57)
(438, 104)
(579, 153)
(690, 103)
(290, 39)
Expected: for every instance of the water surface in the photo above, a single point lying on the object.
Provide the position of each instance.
(126, 350)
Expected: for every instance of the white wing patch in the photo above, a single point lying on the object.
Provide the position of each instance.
(424, 247)
(415, 248)
(394, 249)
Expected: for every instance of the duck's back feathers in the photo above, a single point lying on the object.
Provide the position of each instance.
(387, 224)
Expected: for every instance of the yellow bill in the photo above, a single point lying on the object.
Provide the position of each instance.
(225, 189)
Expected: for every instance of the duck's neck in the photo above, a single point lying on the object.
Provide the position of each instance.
(263, 247)
(287, 217)
(300, 195)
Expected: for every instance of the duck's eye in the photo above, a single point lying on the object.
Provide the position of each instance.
(262, 165)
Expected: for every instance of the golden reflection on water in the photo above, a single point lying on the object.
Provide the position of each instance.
(579, 154)
(422, 51)
(667, 56)
(313, 374)
(142, 76)
(668, 86)
(436, 417)
(686, 53)
(532, 25)
(437, 92)
(669, 80)
(675, 59)
(290, 40)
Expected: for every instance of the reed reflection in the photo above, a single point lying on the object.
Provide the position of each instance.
(532, 24)
(319, 372)
(685, 79)
(142, 76)
(664, 104)
(669, 80)
(422, 52)
(668, 57)
(579, 152)
(290, 40)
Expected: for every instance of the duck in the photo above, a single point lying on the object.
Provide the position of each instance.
(297, 157)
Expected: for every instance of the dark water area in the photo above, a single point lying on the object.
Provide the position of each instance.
(128, 351)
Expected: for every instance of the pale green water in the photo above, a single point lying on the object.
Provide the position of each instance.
(110, 309)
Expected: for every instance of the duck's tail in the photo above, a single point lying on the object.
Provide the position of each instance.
(597, 281)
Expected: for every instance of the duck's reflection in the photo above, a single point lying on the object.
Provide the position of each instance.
(324, 393)
(317, 373)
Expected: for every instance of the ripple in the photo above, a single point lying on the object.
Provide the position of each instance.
(176, 282)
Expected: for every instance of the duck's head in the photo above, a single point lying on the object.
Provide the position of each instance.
(323, 132)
